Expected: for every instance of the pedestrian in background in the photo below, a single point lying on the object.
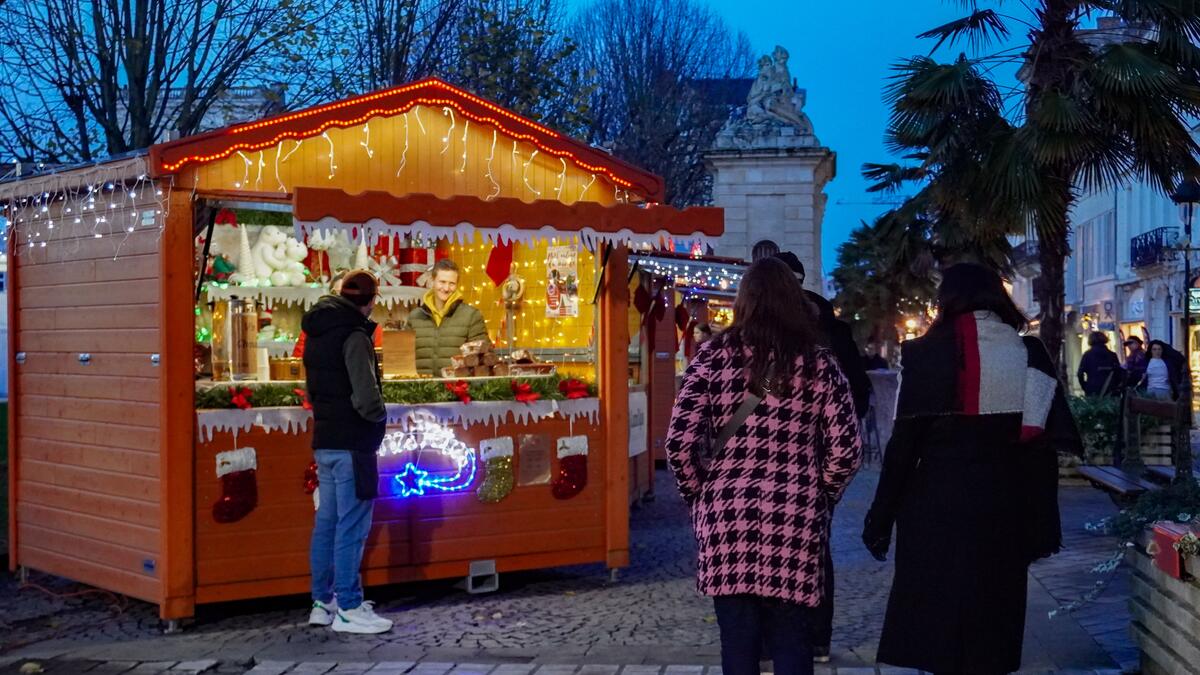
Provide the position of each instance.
(1164, 372)
(838, 336)
(1100, 371)
(970, 480)
(1135, 361)
(349, 421)
(761, 478)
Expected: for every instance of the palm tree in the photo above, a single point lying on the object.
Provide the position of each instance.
(883, 273)
(1098, 107)
(948, 119)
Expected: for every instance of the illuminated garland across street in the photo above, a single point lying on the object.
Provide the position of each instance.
(426, 434)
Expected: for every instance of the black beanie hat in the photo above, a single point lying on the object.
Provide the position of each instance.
(792, 262)
(359, 287)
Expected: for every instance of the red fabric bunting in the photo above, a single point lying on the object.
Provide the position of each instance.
(499, 262)
(641, 300)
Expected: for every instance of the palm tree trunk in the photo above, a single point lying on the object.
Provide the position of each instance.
(1054, 50)
(1051, 295)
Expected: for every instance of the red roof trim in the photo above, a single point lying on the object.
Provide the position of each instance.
(215, 145)
(314, 204)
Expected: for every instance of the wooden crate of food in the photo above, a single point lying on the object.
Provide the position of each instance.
(399, 353)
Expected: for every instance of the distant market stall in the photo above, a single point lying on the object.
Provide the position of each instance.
(159, 428)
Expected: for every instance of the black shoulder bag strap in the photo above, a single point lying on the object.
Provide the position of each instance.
(749, 403)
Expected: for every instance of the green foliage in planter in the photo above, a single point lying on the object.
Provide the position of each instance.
(1097, 417)
(407, 391)
(1178, 503)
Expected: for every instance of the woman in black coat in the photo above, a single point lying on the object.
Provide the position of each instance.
(969, 481)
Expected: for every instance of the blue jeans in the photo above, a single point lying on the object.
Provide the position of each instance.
(745, 620)
(340, 531)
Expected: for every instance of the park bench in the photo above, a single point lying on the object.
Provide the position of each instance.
(1166, 474)
(1123, 486)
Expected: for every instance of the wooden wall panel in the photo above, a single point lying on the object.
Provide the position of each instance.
(86, 435)
(443, 531)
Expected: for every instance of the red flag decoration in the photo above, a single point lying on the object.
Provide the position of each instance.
(499, 262)
(641, 300)
(682, 317)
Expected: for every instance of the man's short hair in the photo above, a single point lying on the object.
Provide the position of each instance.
(444, 265)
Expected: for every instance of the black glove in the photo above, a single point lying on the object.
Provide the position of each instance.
(876, 538)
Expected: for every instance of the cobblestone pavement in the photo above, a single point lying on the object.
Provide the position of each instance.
(652, 617)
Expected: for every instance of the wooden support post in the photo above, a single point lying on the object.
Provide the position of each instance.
(614, 403)
(177, 413)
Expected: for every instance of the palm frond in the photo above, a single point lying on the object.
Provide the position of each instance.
(1130, 69)
(890, 177)
(981, 28)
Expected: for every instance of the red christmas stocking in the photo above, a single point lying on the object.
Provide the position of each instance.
(572, 467)
(500, 262)
(239, 485)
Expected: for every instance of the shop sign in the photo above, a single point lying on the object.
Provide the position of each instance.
(1194, 300)
(637, 423)
(562, 282)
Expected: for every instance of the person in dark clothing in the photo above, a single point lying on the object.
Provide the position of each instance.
(840, 339)
(1136, 360)
(872, 360)
(349, 419)
(1100, 371)
(969, 481)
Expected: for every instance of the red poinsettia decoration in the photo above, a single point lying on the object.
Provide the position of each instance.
(524, 392)
(461, 389)
(304, 402)
(240, 397)
(573, 388)
(310, 478)
(226, 217)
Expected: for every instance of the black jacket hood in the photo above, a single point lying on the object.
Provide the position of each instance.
(332, 312)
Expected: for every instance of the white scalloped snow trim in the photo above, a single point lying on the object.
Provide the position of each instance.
(464, 233)
(295, 419)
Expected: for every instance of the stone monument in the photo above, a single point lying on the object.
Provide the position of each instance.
(769, 173)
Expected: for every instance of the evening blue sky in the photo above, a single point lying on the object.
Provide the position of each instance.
(842, 53)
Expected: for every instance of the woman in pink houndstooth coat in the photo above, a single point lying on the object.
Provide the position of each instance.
(760, 505)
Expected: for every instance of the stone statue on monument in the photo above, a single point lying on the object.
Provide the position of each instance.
(774, 108)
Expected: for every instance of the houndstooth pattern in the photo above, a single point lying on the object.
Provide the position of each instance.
(761, 517)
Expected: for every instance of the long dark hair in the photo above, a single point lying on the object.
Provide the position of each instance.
(773, 317)
(967, 287)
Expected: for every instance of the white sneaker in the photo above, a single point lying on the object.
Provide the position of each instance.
(361, 619)
(322, 613)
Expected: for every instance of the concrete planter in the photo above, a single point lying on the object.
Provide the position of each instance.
(1166, 616)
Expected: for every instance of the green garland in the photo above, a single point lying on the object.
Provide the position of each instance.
(252, 217)
(407, 391)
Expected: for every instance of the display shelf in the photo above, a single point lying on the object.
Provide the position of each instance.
(306, 296)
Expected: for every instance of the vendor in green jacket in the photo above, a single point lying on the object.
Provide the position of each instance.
(443, 322)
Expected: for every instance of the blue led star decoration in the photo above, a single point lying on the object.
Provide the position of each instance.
(411, 480)
(429, 435)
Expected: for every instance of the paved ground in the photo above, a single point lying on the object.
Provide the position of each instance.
(651, 618)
